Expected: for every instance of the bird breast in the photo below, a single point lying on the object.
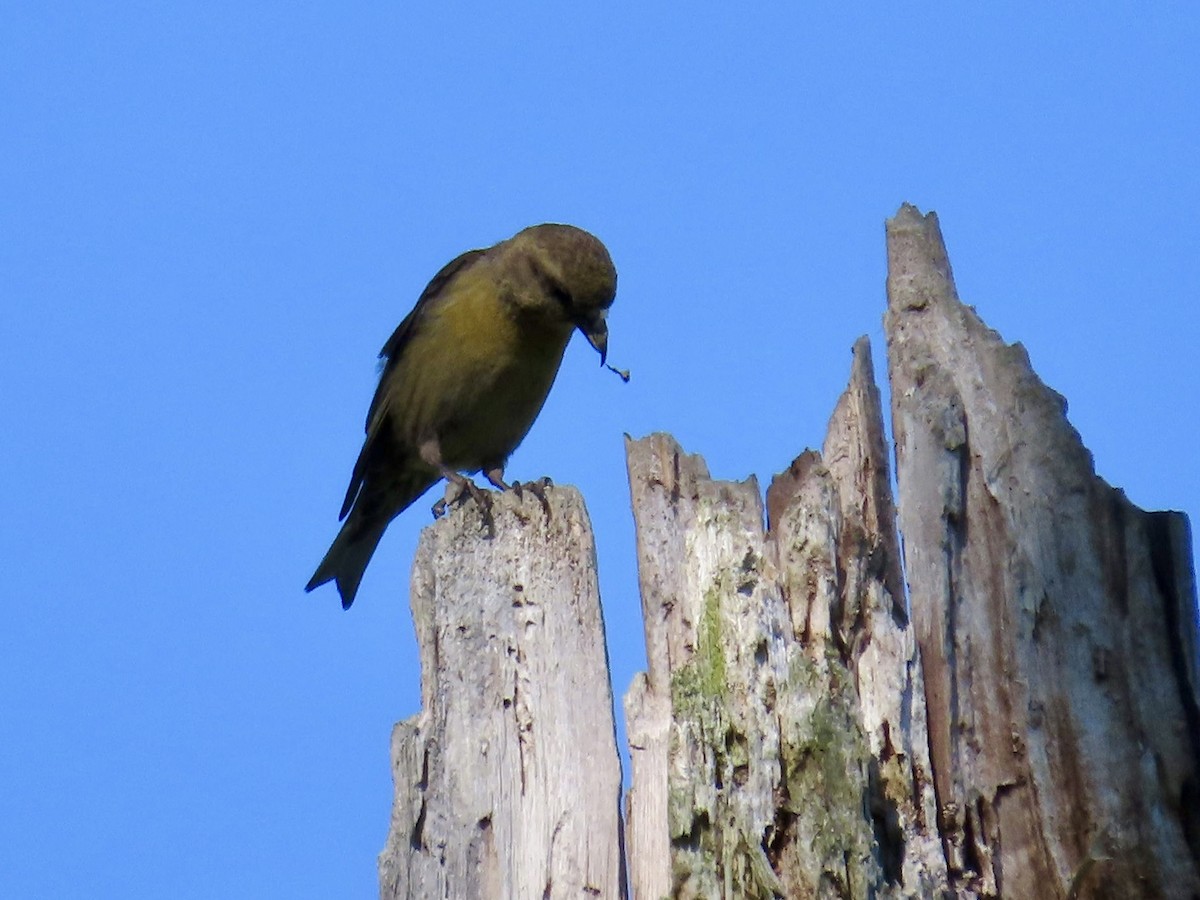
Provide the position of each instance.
(476, 378)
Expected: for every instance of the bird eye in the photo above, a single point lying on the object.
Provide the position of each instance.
(559, 294)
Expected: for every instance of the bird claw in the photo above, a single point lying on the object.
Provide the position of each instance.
(457, 494)
(538, 489)
(478, 494)
(466, 489)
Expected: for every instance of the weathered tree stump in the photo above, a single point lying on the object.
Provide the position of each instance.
(787, 753)
(1056, 620)
(1023, 723)
(508, 781)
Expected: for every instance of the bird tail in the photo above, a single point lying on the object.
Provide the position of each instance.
(348, 556)
(372, 511)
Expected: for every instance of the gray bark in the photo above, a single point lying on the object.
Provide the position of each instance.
(778, 738)
(1033, 731)
(722, 772)
(508, 780)
(1056, 619)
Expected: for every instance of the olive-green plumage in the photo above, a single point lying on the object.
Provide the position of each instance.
(464, 376)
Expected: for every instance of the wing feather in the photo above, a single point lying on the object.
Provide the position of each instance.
(392, 350)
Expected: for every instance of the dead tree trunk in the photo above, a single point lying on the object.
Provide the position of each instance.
(778, 740)
(508, 781)
(1056, 620)
(1033, 732)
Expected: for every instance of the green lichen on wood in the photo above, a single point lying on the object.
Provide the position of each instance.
(823, 759)
(821, 838)
(698, 703)
(714, 855)
(702, 679)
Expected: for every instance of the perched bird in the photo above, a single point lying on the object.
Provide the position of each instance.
(464, 376)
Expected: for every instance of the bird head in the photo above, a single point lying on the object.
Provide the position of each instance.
(575, 274)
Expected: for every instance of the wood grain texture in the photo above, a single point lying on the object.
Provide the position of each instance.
(778, 737)
(999, 698)
(508, 781)
(1050, 613)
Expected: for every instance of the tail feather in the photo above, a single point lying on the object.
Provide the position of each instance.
(348, 557)
(355, 544)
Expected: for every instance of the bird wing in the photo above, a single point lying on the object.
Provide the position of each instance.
(390, 354)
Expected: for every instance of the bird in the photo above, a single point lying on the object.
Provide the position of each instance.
(463, 377)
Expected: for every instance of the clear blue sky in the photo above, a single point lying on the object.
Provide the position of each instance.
(213, 215)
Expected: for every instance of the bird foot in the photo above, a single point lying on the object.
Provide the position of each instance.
(537, 488)
(457, 493)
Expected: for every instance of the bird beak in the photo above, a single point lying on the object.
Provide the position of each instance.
(595, 329)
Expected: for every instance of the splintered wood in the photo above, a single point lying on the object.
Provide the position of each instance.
(998, 699)
(1051, 614)
(508, 781)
